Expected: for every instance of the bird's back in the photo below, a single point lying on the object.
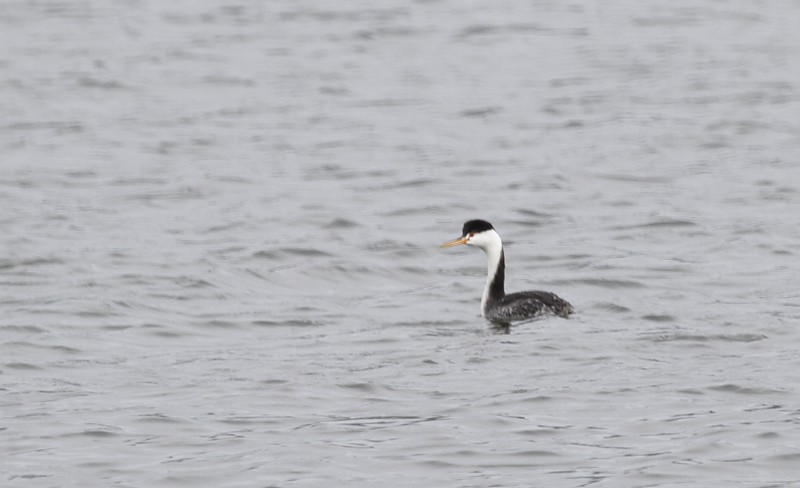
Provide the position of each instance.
(527, 305)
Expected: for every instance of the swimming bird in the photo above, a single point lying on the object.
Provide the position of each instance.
(496, 306)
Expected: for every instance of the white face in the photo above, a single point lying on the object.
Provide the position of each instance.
(483, 240)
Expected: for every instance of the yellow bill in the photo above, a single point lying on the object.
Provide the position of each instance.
(457, 242)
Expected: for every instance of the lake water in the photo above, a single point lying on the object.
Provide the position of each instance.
(220, 225)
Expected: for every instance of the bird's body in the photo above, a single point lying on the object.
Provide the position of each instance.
(495, 304)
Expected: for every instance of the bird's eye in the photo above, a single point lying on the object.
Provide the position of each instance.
(472, 234)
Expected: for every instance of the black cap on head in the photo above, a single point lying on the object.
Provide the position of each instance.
(475, 226)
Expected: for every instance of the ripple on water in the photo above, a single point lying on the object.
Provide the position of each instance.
(370, 423)
(93, 433)
(340, 223)
(218, 324)
(158, 418)
(681, 337)
(160, 330)
(286, 323)
(612, 307)
(526, 223)
(22, 329)
(658, 223)
(744, 390)
(22, 366)
(29, 263)
(600, 283)
(793, 457)
(19, 346)
(305, 252)
(658, 318)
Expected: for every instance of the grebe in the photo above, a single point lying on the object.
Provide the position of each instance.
(496, 306)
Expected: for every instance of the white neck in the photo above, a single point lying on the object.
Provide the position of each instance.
(493, 247)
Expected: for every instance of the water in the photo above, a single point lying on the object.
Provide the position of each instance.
(220, 224)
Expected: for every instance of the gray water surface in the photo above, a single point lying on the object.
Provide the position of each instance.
(219, 243)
